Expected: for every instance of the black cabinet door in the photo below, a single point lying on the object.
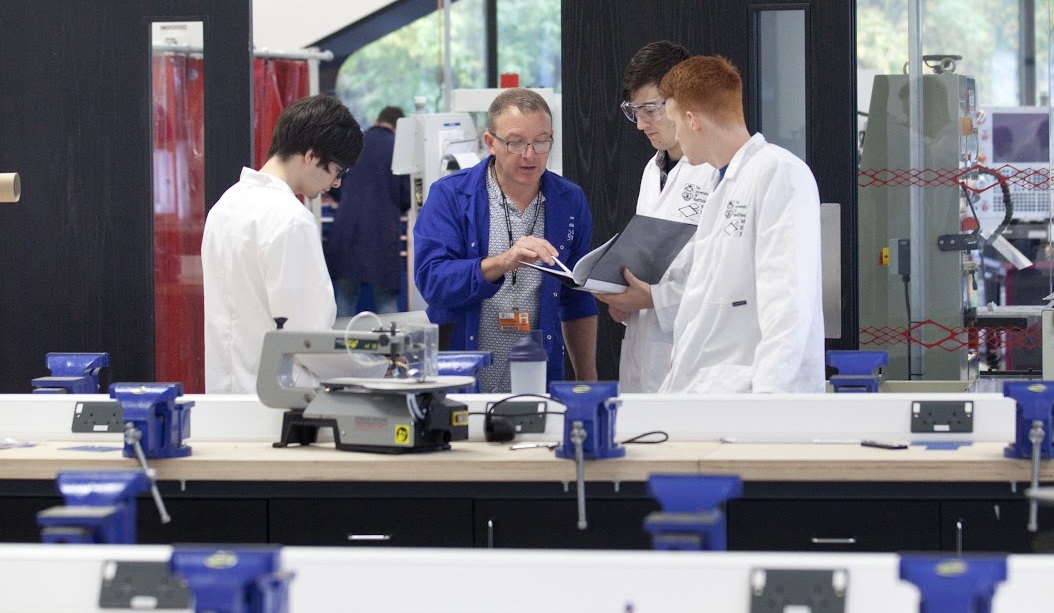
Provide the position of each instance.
(193, 520)
(203, 521)
(18, 517)
(834, 525)
(995, 525)
(411, 522)
(610, 524)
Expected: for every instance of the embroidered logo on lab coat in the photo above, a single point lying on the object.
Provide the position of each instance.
(736, 217)
(695, 197)
(571, 229)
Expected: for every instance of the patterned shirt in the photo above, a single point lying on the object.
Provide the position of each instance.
(522, 296)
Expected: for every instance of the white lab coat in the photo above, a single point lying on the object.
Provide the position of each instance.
(261, 254)
(648, 341)
(751, 318)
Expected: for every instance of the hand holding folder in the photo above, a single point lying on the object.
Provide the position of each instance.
(647, 246)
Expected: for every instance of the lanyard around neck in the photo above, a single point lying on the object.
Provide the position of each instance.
(508, 221)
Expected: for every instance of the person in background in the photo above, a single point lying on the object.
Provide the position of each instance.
(261, 252)
(751, 318)
(670, 188)
(479, 225)
(365, 240)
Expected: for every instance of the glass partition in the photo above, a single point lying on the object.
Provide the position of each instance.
(781, 78)
(954, 201)
(408, 62)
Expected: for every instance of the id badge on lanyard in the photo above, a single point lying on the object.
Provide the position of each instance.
(514, 321)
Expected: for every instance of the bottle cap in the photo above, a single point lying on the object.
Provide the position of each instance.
(527, 350)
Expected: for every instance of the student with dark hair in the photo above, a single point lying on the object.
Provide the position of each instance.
(671, 188)
(261, 252)
(364, 243)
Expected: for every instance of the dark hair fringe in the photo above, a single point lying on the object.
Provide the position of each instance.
(321, 124)
(650, 64)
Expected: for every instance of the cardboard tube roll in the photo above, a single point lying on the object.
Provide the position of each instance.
(10, 187)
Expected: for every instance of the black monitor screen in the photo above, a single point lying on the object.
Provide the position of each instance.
(1020, 138)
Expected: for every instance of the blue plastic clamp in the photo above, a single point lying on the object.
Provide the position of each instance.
(857, 370)
(954, 585)
(152, 409)
(71, 373)
(595, 405)
(691, 517)
(242, 580)
(1035, 402)
(100, 507)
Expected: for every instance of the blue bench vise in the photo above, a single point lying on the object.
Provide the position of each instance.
(954, 585)
(1035, 404)
(691, 517)
(593, 407)
(467, 363)
(589, 429)
(71, 373)
(858, 371)
(155, 422)
(100, 507)
(245, 580)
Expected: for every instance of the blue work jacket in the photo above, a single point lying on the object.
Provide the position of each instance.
(452, 236)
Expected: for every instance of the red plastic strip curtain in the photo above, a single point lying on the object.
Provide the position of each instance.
(276, 85)
(179, 198)
(179, 218)
(292, 80)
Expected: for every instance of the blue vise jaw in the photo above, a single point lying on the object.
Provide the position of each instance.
(465, 363)
(691, 517)
(100, 507)
(954, 585)
(71, 373)
(858, 371)
(237, 580)
(153, 419)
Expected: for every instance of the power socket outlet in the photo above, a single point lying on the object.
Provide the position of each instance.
(527, 416)
(779, 590)
(98, 416)
(942, 416)
(136, 585)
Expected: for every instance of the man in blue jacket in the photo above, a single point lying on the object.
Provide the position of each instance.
(477, 228)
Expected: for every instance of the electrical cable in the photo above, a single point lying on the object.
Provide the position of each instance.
(1008, 204)
(531, 414)
(415, 409)
(636, 440)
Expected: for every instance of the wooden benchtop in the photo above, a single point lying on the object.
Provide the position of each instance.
(484, 462)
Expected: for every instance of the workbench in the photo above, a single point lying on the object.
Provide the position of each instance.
(797, 496)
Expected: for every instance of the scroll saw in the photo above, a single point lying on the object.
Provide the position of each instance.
(405, 411)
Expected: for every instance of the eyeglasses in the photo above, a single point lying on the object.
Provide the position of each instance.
(519, 147)
(341, 171)
(648, 111)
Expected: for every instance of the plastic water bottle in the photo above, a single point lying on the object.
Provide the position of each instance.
(527, 365)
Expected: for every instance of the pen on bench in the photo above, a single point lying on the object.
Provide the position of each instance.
(884, 444)
(547, 445)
